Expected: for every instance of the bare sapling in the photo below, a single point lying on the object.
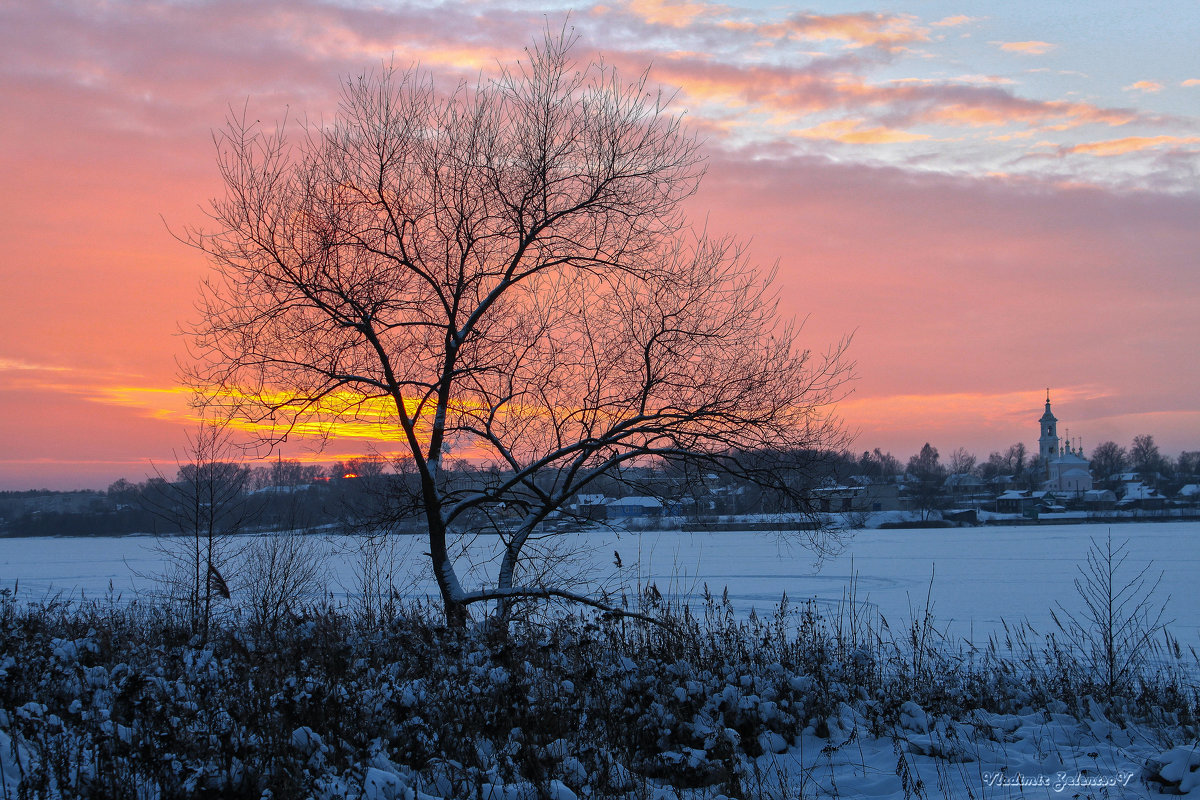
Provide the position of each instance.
(1116, 631)
(201, 511)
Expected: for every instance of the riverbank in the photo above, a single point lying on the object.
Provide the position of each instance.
(897, 520)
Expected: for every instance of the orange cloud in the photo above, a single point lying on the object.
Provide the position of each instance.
(1144, 86)
(330, 37)
(902, 412)
(169, 403)
(343, 417)
(850, 131)
(1031, 48)
(1191, 82)
(363, 418)
(20, 365)
(809, 90)
(863, 29)
(1002, 111)
(1129, 144)
(952, 22)
(968, 80)
(669, 12)
(162, 402)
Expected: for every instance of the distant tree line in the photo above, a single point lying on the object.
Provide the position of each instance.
(284, 493)
(1109, 462)
(290, 494)
(368, 492)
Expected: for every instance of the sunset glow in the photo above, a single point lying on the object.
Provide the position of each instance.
(992, 198)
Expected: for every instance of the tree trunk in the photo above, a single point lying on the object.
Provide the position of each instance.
(443, 571)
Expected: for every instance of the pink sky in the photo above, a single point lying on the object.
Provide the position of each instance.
(991, 201)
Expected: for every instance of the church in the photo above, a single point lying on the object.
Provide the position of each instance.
(1066, 468)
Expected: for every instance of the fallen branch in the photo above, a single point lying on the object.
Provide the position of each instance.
(542, 593)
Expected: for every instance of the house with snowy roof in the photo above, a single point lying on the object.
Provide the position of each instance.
(965, 484)
(1188, 496)
(1141, 497)
(1029, 503)
(858, 497)
(599, 507)
(590, 506)
(1013, 501)
(1099, 500)
(637, 506)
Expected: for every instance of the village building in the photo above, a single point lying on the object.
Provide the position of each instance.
(1140, 497)
(638, 506)
(861, 498)
(1070, 472)
(1048, 441)
(1067, 471)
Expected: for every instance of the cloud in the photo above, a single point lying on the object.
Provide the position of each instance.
(670, 12)
(997, 108)
(817, 87)
(849, 131)
(1129, 144)
(1144, 86)
(163, 402)
(1031, 48)
(863, 29)
(902, 412)
(20, 365)
(954, 21)
(187, 68)
(1191, 82)
(982, 80)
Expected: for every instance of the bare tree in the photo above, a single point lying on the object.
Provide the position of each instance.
(927, 492)
(1188, 465)
(879, 465)
(961, 462)
(502, 273)
(1116, 630)
(1015, 463)
(1108, 460)
(1145, 458)
(1037, 472)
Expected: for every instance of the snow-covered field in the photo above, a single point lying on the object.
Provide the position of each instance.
(979, 575)
(974, 577)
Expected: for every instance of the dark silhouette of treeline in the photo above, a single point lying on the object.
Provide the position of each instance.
(363, 492)
(142, 508)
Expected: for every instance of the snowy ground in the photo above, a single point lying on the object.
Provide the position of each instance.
(973, 577)
(1036, 755)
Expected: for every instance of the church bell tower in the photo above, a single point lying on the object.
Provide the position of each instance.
(1048, 441)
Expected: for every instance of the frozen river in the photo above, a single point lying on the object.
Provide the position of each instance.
(979, 575)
